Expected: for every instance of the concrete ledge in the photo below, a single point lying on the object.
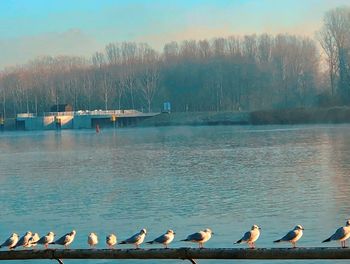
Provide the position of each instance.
(179, 253)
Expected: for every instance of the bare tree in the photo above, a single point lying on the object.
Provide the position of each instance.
(149, 75)
(335, 37)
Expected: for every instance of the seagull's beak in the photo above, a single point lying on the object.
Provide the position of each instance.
(212, 233)
(259, 228)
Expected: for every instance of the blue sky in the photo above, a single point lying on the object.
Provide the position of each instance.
(30, 28)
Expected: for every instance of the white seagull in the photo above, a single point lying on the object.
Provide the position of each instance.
(250, 237)
(292, 236)
(200, 237)
(92, 240)
(136, 239)
(33, 240)
(111, 240)
(65, 240)
(46, 240)
(24, 240)
(164, 239)
(11, 241)
(341, 234)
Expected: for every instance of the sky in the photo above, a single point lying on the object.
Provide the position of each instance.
(32, 28)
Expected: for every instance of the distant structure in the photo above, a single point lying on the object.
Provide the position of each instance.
(66, 119)
(61, 108)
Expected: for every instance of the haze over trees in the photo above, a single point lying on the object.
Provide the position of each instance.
(335, 41)
(223, 74)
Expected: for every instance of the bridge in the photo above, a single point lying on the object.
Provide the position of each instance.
(81, 119)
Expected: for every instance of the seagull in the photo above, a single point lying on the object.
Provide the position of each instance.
(200, 237)
(24, 240)
(65, 240)
(136, 239)
(292, 236)
(46, 240)
(92, 240)
(251, 236)
(342, 234)
(111, 240)
(11, 241)
(33, 240)
(164, 239)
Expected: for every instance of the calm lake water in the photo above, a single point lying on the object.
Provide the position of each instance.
(184, 178)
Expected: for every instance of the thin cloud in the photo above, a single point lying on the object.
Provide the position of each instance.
(71, 42)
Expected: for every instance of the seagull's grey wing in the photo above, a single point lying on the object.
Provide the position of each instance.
(20, 242)
(289, 236)
(133, 239)
(339, 234)
(7, 242)
(42, 240)
(195, 237)
(62, 239)
(161, 239)
(247, 236)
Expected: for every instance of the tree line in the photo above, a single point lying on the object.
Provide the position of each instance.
(223, 74)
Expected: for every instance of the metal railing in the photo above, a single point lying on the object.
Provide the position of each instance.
(25, 115)
(128, 112)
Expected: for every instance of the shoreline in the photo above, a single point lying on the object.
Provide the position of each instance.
(333, 115)
(297, 116)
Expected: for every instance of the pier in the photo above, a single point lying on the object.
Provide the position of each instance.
(81, 119)
(191, 254)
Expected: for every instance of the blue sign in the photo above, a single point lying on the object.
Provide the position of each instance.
(166, 107)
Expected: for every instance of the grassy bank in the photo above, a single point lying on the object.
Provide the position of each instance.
(289, 116)
(332, 115)
(197, 119)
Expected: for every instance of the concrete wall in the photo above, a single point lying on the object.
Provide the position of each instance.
(76, 122)
(81, 122)
(66, 122)
(48, 122)
(34, 123)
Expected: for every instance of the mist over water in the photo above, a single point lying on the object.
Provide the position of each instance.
(184, 178)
